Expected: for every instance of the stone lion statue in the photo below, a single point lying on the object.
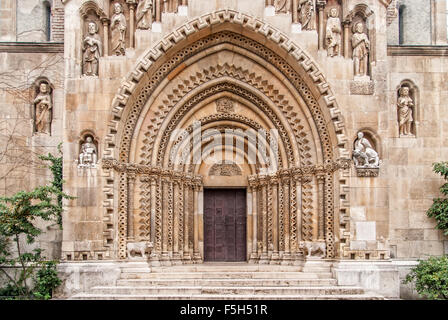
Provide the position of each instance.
(138, 247)
(312, 247)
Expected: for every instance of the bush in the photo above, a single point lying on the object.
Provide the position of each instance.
(439, 208)
(46, 281)
(431, 278)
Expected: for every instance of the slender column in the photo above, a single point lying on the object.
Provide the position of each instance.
(158, 10)
(295, 16)
(131, 187)
(181, 215)
(176, 210)
(106, 36)
(346, 39)
(321, 7)
(287, 217)
(254, 255)
(123, 215)
(196, 253)
(275, 255)
(264, 254)
(132, 24)
(153, 209)
(158, 225)
(320, 183)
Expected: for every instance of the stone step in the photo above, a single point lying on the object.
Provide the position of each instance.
(90, 296)
(226, 282)
(223, 275)
(246, 290)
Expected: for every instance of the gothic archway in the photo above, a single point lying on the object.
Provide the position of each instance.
(273, 85)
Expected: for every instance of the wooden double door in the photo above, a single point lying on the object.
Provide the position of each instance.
(225, 225)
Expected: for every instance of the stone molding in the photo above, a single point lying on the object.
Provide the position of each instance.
(417, 50)
(32, 47)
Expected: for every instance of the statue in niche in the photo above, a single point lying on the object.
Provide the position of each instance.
(282, 6)
(88, 155)
(306, 14)
(43, 107)
(405, 105)
(361, 47)
(364, 155)
(92, 48)
(333, 33)
(118, 29)
(145, 13)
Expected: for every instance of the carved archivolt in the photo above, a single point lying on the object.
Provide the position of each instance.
(304, 64)
(225, 169)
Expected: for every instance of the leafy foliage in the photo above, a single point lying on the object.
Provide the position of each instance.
(439, 208)
(431, 278)
(18, 216)
(46, 280)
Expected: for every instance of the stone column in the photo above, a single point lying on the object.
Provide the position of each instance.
(165, 258)
(196, 253)
(320, 8)
(286, 197)
(254, 255)
(321, 204)
(176, 221)
(131, 188)
(346, 25)
(295, 16)
(153, 208)
(158, 10)
(105, 22)
(264, 222)
(275, 259)
(187, 213)
(131, 5)
(123, 215)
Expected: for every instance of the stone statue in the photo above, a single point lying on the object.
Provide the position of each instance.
(43, 109)
(361, 47)
(306, 14)
(405, 105)
(92, 51)
(313, 247)
(118, 29)
(282, 6)
(88, 155)
(364, 155)
(333, 33)
(145, 13)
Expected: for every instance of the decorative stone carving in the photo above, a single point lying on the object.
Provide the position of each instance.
(118, 28)
(138, 247)
(92, 48)
(405, 106)
(306, 14)
(145, 14)
(43, 108)
(313, 247)
(362, 87)
(88, 155)
(225, 169)
(364, 155)
(282, 6)
(224, 105)
(361, 49)
(333, 33)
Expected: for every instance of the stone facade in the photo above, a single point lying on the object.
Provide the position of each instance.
(125, 90)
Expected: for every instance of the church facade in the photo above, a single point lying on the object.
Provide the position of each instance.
(266, 132)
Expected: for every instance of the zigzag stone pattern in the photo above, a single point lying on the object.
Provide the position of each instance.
(131, 89)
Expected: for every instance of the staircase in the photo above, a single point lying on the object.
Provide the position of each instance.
(227, 282)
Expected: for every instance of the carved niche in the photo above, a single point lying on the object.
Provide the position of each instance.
(365, 156)
(407, 109)
(43, 106)
(88, 151)
(92, 45)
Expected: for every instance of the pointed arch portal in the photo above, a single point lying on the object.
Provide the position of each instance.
(226, 101)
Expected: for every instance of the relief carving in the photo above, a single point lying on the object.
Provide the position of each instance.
(92, 51)
(312, 248)
(224, 105)
(43, 108)
(333, 33)
(306, 14)
(118, 29)
(282, 6)
(225, 169)
(405, 106)
(145, 14)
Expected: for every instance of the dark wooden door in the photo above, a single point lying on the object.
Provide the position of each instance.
(225, 224)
